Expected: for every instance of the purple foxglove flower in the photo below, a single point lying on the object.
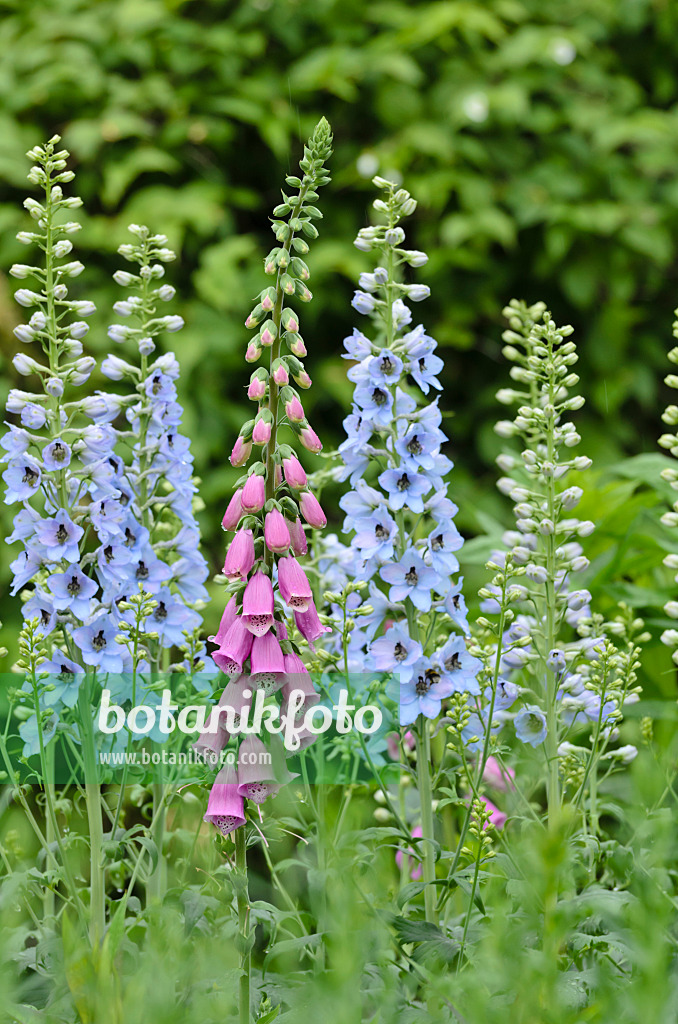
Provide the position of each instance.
(235, 702)
(240, 556)
(410, 577)
(294, 410)
(405, 489)
(59, 537)
(293, 584)
(294, 472)
(97, 644)
(395, 651)
(256, 780)
(253, 493)
(261, 433)
(276, 531)
(227, 619)
(298, 536)
(234, 512)
(312, 511)
(266, 656)
(241, 452)
(257, 604)
(310, 439)
(235, 649)
(212, 739)
(297, 678)
(225, 805)
(22, 478)
(73, 592)
(309, 625)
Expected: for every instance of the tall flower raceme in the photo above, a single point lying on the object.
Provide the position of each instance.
(550, 656)
(404, 542)
(160, 551)
(669, 442)
(270, 613)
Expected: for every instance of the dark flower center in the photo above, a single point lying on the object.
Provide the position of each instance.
(378, 396)
(61, 534)
(422, 363)
(99, 641)
(161, 612)
(74, 587)
(437, 543)
(403, 483)
(156, 384)
(399, 652)
(455, 601)
(411, 576)
(414, 446)
(386, 365)
(380, 532)
(453, 663)
(30, 476)
(130, 538)
(66, 675)
(45, 616)
(142, 571)
(108, 553)
(58, 452)
(422, 686)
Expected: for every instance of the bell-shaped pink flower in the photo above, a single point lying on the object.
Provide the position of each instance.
(225, 805)
(293, 584)
(257, 604)
(233, 513)
(253, 493)
(280, 629)
(294, 472)
(212, 739)
(241, 452)
(262, 432)
(298, 537)
(309, 625)
(310, 439)
(297, 678)
(266, 663)
(235, 649)
(496, 776)
(276, 531)
(256, 780)
(294, 410)
(234, 704)
(240, 556)
(227, 620)
(311, 510)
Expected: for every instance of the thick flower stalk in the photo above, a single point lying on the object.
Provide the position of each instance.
(271, 611)
(404, 542)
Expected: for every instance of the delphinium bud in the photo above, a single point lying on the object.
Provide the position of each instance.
(263, 573)
(669, 442)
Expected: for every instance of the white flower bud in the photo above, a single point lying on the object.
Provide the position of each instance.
(580, 563)
(83, 308)
(536, 573)
(546, 527)
(504, 428)
(25, 297)
(581, 463)
(54, 387)
(24, 333)
(671, 609)
(173, 323)
(63, 248)
(20, 270)
(670, 637)
(71, 269)
(166, 292)
(24, 365)
(124, 279)
(571, 497)
(586, 528)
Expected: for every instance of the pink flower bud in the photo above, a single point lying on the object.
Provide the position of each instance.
(293, 584)
(253, 352)
(310, 439)
(262, 432)
(256, 389)
(256, 779)
(294, 410)
(225, 805)
(297, 347)
(227, 620)
(312, 511)
(309, 625)
(292, 324)
(294, 472)
(298, 537)
(257, 604)
(267, 337)
(235, 649)
(280, 375)
(278, 475)
(303, 379)
(267, 303)
(240, 556)
(241, 452)
(276, 532)
(233, 513)
(270, 267)
(253, 493)
(251, 321)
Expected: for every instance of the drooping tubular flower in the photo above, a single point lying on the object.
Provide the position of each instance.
(392, 456)
(266, 582)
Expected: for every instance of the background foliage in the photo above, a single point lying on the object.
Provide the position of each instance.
(540, 137)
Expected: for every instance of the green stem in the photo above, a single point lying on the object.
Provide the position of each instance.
(425, 797)
(97, 923)
(243, 925)
(551, 678)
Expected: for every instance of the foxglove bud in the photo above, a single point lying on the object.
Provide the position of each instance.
(268, 334)
(262, 431)
(294, 410)
(298, 537)
(240, 556)
(276, 531)
(253, 351)
(311, 510)
(289, 321)
(253, 493)
(280, 374)
(310, 439)
(241, 452)
(294, 472)
(295, 343)
(234, 512)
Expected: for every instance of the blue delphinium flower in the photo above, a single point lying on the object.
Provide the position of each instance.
(404, 542)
